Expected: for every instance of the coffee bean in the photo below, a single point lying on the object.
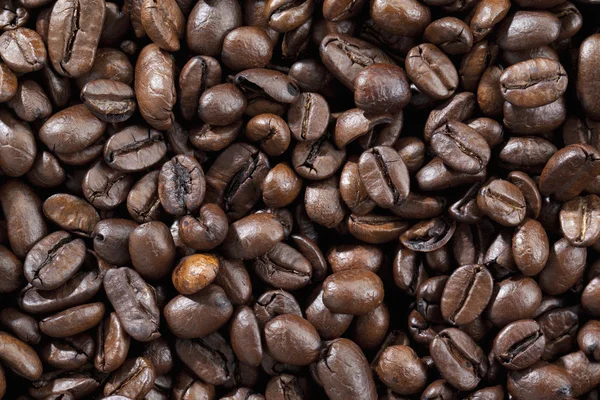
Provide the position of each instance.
(340, 294)
(133, 379)
(460, 147)
(519, 345)
(163, 22)
(459, 304)
(73, 320)
(431, 71)
(384, 176)
(112, 344)
(530, 247)
(157, 236)
(181, 185)
(71, 50)
(110, 101)
(398, 363)
(22, 50)
(461, 362)
(401, 17)
(271, 133)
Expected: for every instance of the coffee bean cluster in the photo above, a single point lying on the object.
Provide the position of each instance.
(299, 199)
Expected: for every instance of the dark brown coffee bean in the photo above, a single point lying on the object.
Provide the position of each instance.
(206, 231)
(460, 361)
(466, 294)
(221, 105)
(23, 50)
(134, 149)
(543, 379)
(450, 34)
(460, 147)
(503, 202)
(210, 358)
(68, 353)
(181, 185)
(159, 262)
(431, 71)
(71, 130)
(341, 294)
(182, 312)
(135, 303)
(308, 117)
(569, 170)
(155, 86)
(534, 83)
(385, 176)
(252, 236)
(530, 247)
(30, 102)
(281, 186)
(108, 64)
(110, 101)
(375, 229)
(317, 160)
(580, 220)
(486, 15)
(245, 336)
(519, 345)
(587, 80)
(381, 88)
(429, 235)
(337, 359)
(247, 47)
(234, 180)
(406, 18)
(22, 325)
(513, 299)
(489, 93)
(8, 83)
(271, 133)
(143, 202)
(71, 50)
(198, 74)
(73, 320)
(566, 265)
(532, 121)
(111, 240)
(208, 24)
(133, 379)
(163, 22)
(23, 211)
(527, 186)
(346, 56)
(112, 344)
(513, 34)
(53, 260)
(18, 148)
(46, 171)
(402, 364)
(529, 153)
(292, 328)
(20, 357)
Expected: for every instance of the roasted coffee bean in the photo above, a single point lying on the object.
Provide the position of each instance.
(489, 93)
(71, 130)
(210, 358)
(346, 56)
(111, 240)
(513, 299)
(429, 297)
(431, 71)
(163, 22)
(109, 64)
(23, 211)
(110, 101)
(450, 34)
(20, 357)
(308, 117)
(53, 260)
(135, 303)
(18, 151)
(30, 102)
(520, 344)
(460, 147)
(466, 294)
(530, 247)
(205, 232)
(198, 74)
(271, 133)
(341, 293)
(513, 33)
(502, 201)
(580, 220)
(195, 272)
(183, 312)
(247, 47)
(46, 171)
(181, 185)
(234, 180)
(8, 82)
(530, 153)
(402, 364)
(381, 88)
(406, 18)
(437, 176)
(221, 105)
(384, 176)
(22, 325)
(143, 203)
(252, 236)
(586, 72)
(460, 360)
(155, 264)
(565, 267)
(155, 86)
(569, 170)
(22, 50)
(112, 344)
(534, 83)
(543, 379)
(73, 320)
(317, 160)
(429, 235)
(374, 228)
(68, 353)
(337, 360)
(208, 24)
(285, 328)
(281, 186)
(133, 379)
(71, 50)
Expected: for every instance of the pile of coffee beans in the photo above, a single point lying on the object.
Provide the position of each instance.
(299, 199)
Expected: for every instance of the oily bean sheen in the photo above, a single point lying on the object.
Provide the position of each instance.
(72, 49)
(354, 291)
(533, 83)
(519, 344)
(299, 199)
(461, 147)
(53, 260)
(181, 185)
(135, 303)
(384, 176)
(110, 101)
(466, 294)
(134, 149)
(461, 361)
